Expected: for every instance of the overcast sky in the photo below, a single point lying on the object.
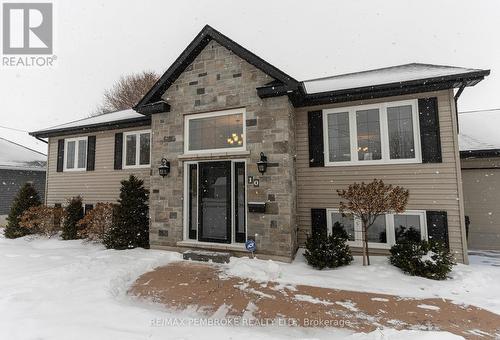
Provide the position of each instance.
(98, 41)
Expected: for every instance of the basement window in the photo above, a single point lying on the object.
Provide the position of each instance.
(385, 232)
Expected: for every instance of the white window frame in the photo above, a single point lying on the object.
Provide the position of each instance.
(389, 225)
(384, 134)
(77, 146)
(188, 118)
(137, 148)
(233, 224)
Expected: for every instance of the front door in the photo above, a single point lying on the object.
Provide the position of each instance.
(214, 202)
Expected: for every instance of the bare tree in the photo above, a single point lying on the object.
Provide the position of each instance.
(369, 201)
(127, 92)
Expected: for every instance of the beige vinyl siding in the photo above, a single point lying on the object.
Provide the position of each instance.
(481, 197)
(100, 185)
(433, 186)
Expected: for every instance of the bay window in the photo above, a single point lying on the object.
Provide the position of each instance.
(372, 134)
(76, 154)
(385, 232)
(215, 131)
(136, 149)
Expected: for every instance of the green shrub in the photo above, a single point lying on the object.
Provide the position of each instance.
(26, 198)
(328, 251)
(72, 214)
(130, 223)
(431, 260)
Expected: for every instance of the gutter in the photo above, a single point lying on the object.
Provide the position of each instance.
(112, 125)
(485, 153)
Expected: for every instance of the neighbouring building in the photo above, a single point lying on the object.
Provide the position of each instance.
(18, 165)
(480, 153)
(219, 112)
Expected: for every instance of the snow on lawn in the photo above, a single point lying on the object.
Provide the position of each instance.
(53, 289)
(475, 284)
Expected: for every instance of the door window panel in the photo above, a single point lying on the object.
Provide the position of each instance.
(239, 201)
(193, 201)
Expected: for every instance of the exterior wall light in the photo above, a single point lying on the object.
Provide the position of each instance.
(164, 168)
(262, 164)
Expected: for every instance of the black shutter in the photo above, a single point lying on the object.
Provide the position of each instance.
(60, 155)
(118, 150)
(437, 226)
(318, 222)
(90, 153)
(430, 138)
(88, 207)
(316, 148)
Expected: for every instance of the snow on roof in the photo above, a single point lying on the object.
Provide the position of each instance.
(24, 139)
(16, 156)
(100, 119)
(388, 75)
(479, 130)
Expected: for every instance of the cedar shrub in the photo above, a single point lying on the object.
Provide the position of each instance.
(72, 214)
(130, 226)
(26, 198)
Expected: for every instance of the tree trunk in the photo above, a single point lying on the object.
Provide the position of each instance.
(367, 251)
(366, 255)
(364, 245)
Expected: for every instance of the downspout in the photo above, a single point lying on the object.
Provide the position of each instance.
(459, 179)
(46, 169)
(457, 95)
(42, 140)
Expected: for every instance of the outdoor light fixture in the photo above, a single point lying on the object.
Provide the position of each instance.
(262, 164)
(164, 168)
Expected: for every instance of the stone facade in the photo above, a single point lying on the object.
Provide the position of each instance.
(220, 80)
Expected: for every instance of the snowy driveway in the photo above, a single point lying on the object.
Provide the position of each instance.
(53, 289)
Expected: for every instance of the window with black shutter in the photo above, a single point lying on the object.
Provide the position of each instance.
(118, 150)
(318, 222)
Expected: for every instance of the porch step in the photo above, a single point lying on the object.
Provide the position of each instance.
(205, 256)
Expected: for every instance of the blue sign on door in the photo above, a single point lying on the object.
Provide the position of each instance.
(250, 245)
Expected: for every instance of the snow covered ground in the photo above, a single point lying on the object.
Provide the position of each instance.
(476, 284)
(53, 289)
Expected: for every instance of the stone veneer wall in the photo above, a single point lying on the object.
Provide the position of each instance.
(220, 80)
